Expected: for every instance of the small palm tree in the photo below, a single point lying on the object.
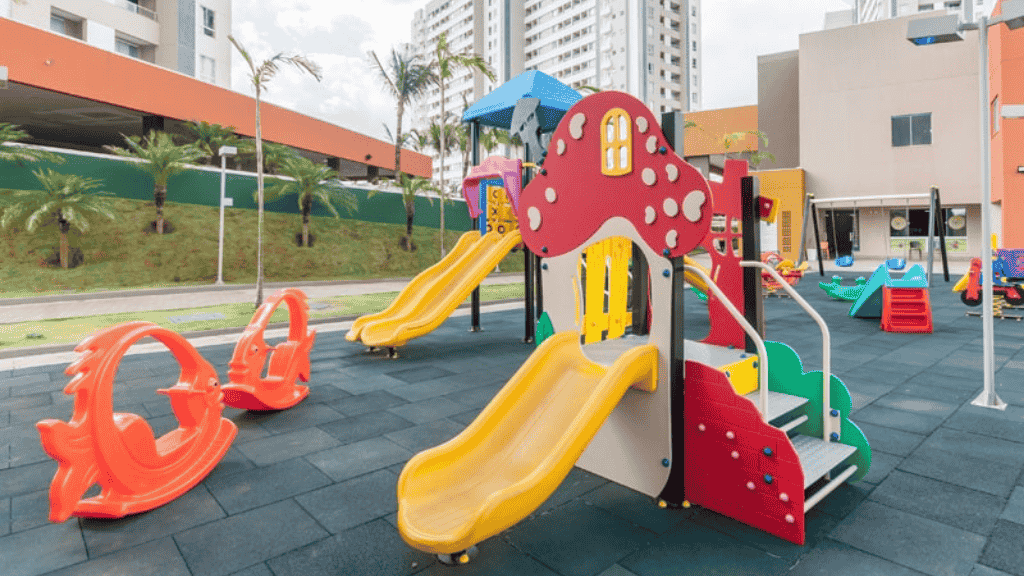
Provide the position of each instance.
(161, 159)
(260, 76)
(755, 158)
(65, 200)
(311, 183)
(12, 133)
(210, 137)
(411, 187)
(274, 154)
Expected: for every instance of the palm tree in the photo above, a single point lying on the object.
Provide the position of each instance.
(406, 78)
(411, 186)
(259, 76)
(274, 154)
(17, 154)
(445, 62)
(210, 137)
(490, 139)
(312, 183)
(162, 158)
(64, 199)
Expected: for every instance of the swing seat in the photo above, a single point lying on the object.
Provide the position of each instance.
(845, 261)
(896, 263)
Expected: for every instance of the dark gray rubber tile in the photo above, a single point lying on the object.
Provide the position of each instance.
(881, 465)
(889, 440)
(1007, 425)
(947, 503)
(348, 504)
(495, 558)
(577, 483)
(25, 446)
(616, 570)
(910, 540)
(982, 474)
(25, 479)
(414, 375)
(5, 516)
(1004, 550)
(830, 558)
(816, 528)
(967, 443)
(248, 537)
(194, 508)
(898, 419)
(304, 415)
(466, 418)
(322, 392)
(254, 488)
(637, 508)
(158, 558)
(576, 539)
(476, 397)
(233, 462)
(255, 570)
(419, 438)
(844, 500)
(41, 550)
(286, 446)
(30, 510)
(934, 393)
(982, 570)
(1014, 511)
(373, 549)
(428, 410)
(27, 379)
(923, 406)
(365, 403)
(357, 382)
(27, 401)
(364, 426)
(358, 458)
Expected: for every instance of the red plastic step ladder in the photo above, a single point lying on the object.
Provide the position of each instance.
(906, 310)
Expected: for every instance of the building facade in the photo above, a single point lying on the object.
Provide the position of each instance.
(648, 48)
(862, 11)
(189, 36)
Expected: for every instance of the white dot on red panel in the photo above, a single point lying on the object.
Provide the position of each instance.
(652, 144)
(534, 215)
(576, 125)
(561, 146)
(649, 177)
(670, 207)
(673, 172)
(692, 205)
(650, 215)
(550, 195)
(641, 124)
(671, 238)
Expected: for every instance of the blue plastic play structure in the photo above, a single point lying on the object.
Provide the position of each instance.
(896, 263)
(869, 305)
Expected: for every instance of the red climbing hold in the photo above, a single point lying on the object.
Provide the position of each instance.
(135, 471)
(288, 360)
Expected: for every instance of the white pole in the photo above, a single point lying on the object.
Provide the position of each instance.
(988, 397)
(220, 242)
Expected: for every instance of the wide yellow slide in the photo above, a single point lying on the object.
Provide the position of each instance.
(519, 449)
(436, 292)
(692, 278)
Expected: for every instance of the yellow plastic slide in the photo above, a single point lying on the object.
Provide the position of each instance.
(436, 292)
(519, 449)
(692, 278)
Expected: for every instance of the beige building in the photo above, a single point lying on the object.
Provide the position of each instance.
(189, 36)
(600, 43)
(862, 11)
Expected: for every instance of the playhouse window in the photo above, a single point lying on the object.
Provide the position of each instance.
(616, 143)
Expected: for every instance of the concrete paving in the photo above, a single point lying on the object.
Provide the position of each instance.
(311, 490)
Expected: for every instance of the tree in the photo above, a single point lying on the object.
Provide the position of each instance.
(208, 138)
(444, 63)
(311, 183)
(411, 187)
(65, 199)
(161, 159)
(406, 78)
(755, 158)
(260, 76)
(11, 133)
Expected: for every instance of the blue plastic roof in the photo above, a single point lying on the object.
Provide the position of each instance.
(495, 109)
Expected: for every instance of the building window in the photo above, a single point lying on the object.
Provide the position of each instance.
(903, 223)
(208, 22)
(62, 24)
(912, 129)
(127, 48)
(207, 69)
(956, 222)
(995, 115)
(694, 64)
(616, 143)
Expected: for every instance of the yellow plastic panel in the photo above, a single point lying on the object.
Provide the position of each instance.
(519, 449)
(418, 287)
(618, 286)
(742, 375)
(595, 319)
(439, 295)
(961, 284)
(616, 143)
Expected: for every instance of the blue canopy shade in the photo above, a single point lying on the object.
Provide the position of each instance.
(495, 109)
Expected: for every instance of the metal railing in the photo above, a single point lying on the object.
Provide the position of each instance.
(133, 7)
(826, 345)
(762, 352)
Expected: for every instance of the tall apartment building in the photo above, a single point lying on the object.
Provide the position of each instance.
(872, 10)
(648, 48)
(190, 36)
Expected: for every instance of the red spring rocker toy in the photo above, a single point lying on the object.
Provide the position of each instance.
(136, 472)
(288, 360)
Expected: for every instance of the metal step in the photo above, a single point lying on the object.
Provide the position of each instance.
(778, 403)
(818, 457)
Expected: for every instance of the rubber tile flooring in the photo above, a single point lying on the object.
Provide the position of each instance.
(311, 490)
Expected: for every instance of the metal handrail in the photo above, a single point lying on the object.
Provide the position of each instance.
(762, 352)
(826, 345)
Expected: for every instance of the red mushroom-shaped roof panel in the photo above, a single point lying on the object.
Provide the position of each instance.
(608, 158)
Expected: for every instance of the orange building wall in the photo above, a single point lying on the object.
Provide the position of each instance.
(1006, 69)
(52, 62)
(706, 138)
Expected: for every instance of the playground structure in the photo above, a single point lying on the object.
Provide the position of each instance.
(754, 437)
(837, 291)
(137, 472)
(1007, 278)
(786, 268)
(902, 304)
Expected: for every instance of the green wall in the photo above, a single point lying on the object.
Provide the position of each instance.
(197, 186)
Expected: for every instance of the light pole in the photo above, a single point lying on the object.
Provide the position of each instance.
(223, 152)
(949, 28)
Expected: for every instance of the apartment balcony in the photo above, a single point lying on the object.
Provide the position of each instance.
(136, 8)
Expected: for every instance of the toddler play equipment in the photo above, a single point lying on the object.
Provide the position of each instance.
(731, 423)
(837, 291)
(869, 304)
(906, 309)
(604, 270)
(135, 471)
(1007, 280)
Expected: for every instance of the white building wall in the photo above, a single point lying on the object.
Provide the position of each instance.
(99, 35)
(5, 8)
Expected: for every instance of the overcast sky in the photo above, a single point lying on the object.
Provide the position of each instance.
(337, 34)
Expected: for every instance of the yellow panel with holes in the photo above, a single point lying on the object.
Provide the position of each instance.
(500, 215)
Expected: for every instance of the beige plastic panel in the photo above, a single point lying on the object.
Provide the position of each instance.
(630, 446)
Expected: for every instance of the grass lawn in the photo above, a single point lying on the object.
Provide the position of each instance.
(120, 255)
(73, 330)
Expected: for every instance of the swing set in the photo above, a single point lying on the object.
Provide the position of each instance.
(936, 229)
